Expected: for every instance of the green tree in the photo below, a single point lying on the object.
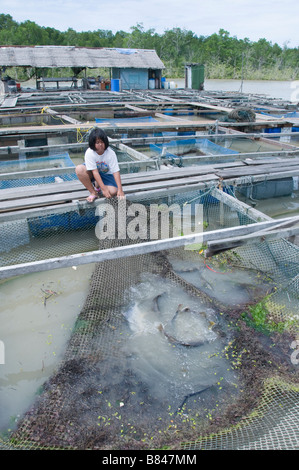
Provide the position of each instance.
(139, 38)
(223, 56)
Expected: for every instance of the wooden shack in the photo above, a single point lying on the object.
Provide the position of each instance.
(128, 68)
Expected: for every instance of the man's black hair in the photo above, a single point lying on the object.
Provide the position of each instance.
(95, 134)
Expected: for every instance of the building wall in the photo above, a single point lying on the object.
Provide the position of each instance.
(194, 76)
(136, 79)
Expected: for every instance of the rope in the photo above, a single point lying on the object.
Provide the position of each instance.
(200, 195)
(83, 134)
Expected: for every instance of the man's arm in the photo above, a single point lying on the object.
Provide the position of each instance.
(120, 192)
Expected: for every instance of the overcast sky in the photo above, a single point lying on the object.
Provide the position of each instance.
(275, 20)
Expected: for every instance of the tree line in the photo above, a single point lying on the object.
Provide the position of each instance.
(223, 56)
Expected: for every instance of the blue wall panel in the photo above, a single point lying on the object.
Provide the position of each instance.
(136, 79)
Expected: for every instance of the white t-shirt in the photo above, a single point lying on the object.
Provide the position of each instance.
(105, 163)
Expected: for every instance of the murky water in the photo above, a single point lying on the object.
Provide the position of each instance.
(232, 287)
(37, 315)
(25, 246)
(276, 207)
(284, 89)
(171, 343)
(244, 145)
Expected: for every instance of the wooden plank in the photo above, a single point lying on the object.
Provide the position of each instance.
(125, 126)
(15, 204)
(127, 180)
(166, 126)
(52, 193)
(137, 156)
(82, 204)
(231, 243)
(32, 200)
(170, 174)
(68, 186)
(282, 229)
(40, 190)
(249, 171)
(240, 181)
(177, 172)
(139, 110)
(238, 168)
(170, 118)
(65, 117)
(240, 206)
(227, 170)
(271, 161)
(168, 183)
(9, 102)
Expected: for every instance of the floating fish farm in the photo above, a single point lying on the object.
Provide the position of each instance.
(186, 338)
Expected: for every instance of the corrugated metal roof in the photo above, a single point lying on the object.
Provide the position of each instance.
(71, 56)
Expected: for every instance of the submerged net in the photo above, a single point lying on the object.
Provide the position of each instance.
(133, 377)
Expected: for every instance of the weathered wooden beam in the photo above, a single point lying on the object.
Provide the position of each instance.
(283, 229)
(260, 169)
(64, 117)
(141, 127)
(240, 206)
(59, 196)
(15, 149)
(81, 203)
(127, 179)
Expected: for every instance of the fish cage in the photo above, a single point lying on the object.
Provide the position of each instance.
(53, 228)
(58, 168)
(118, 127)
(208, 147)
(186, 336)
(74, 108)
(29, 118)
(33, 171)
(26, 164)
(114, 122)
(173, 347)
(180, 149)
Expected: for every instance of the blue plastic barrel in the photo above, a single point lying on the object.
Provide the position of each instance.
(114, 84)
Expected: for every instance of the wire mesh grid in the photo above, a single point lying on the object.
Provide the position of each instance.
(273, 425)
(59, 234)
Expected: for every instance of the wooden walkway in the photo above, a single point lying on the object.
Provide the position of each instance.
(143, 184)
(21, 203)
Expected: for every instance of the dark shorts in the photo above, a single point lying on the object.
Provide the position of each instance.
(107, 179)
